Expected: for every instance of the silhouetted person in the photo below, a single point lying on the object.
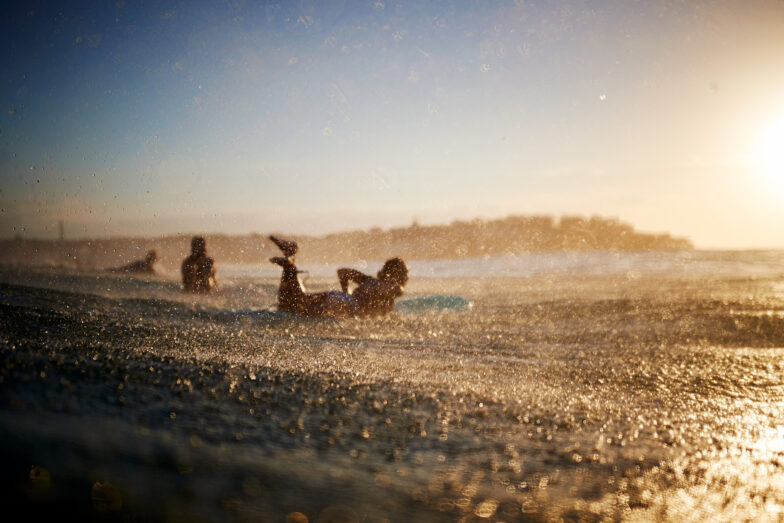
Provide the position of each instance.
(144, 266)
(198, 269)
(373, 296)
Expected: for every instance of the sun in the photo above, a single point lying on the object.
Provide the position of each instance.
(769, 154)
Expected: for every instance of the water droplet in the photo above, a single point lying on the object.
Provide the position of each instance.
(486, 508)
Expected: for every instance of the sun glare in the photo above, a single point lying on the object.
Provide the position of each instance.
(769, 155)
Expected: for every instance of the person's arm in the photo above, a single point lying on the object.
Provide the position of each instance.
(348, 275)
(212, 279)
(187, 270)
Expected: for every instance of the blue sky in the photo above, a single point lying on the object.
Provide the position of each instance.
(148, 118)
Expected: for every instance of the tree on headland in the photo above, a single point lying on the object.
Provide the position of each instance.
(459, 239)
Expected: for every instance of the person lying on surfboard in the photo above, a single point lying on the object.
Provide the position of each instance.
(145, 266)
(372, 296)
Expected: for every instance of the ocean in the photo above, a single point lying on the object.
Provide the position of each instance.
(555, 386)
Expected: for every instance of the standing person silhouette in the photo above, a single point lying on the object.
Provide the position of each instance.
(198, 269)
(373, 296)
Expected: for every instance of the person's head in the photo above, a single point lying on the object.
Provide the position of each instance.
(394, 270)
(152, 256)
(198, 246)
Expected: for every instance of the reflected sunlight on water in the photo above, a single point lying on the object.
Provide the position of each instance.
(552, 396)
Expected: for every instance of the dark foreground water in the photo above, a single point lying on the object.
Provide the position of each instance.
(642, 395)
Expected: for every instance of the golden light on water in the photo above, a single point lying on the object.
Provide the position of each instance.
(768, 155)
(772, 442)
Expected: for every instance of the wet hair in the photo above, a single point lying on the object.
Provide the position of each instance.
(198, 245)
(394, 269)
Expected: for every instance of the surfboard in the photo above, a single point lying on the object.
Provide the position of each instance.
(435, 303)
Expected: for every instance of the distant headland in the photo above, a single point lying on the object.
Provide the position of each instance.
(459, 239)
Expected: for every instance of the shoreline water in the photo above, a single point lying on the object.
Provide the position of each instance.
(555, 395)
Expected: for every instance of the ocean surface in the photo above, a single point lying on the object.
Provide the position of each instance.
(575, 386)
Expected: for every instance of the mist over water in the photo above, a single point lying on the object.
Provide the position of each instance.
(680, 263)
(576, 385)
(760, 262)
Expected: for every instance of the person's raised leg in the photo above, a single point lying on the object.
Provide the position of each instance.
(288, 247)
(291, 295)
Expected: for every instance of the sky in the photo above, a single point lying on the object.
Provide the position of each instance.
(147, 118)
